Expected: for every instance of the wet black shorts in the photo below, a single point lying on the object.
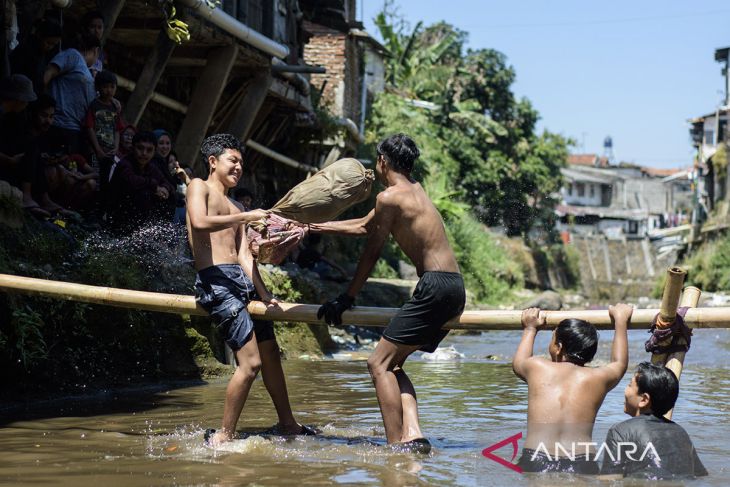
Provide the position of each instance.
(224, 291)
(438, 297)
(537, 461)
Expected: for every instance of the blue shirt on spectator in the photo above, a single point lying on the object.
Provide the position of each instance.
(73, 89)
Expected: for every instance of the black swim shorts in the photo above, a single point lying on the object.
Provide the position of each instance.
(224, 291)
(438, 297)
(537, 461)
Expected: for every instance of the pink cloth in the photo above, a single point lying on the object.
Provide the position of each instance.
(271, 240)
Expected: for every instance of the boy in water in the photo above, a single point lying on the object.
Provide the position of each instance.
(404, 211)
(648, 445)
(227, 280)
(563, 395)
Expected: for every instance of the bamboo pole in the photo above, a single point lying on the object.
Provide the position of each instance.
(360, 315)
(670, 297)
(675, 361)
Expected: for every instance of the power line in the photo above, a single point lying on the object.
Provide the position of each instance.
(597, 22)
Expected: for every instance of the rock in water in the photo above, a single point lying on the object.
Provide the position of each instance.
(445, 354)
(547, 300)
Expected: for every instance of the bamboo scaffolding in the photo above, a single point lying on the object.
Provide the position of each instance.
(360, 315)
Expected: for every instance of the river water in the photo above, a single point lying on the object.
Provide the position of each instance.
(153, 436)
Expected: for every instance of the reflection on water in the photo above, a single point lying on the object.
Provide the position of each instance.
(154, 436)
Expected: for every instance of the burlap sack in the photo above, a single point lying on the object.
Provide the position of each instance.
(327, 194)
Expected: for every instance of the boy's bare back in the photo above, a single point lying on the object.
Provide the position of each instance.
(564, 397)
(417, 227)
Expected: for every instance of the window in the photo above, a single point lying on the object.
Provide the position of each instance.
(709, 137)
(592, 191)
(581, 189)
(722, 131)
(570, 189)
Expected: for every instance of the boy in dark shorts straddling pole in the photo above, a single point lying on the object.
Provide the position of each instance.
(404, 211)
(228, 279)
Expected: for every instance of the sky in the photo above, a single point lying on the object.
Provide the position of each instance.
(633, 70)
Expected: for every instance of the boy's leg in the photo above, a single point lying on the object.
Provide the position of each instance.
(249, 364)
(411, 427)
(381, 364)
(275, 382)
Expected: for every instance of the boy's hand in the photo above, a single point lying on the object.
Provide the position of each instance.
(620, 312)
(253, 215)
(270, 300)
(332, 310)
(531, 319)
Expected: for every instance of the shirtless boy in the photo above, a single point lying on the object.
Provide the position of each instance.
(404, 211)
(227, 280)
(563, 395)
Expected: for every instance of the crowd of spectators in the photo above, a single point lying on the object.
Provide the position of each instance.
(65, 144)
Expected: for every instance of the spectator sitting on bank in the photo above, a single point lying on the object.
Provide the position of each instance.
(183, 175)
(93, 23)
(307, 256)
(16, 91)
(245, 197)
(103, 125)
(32, 55)
(125, 141)
(662, 448)
(53, 184)
(70, 83)
(138, 190)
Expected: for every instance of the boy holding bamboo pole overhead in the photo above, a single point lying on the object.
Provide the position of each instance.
(563, 395)
(228, 279)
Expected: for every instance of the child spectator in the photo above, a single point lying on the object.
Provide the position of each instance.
(93, 23)
(137, 189)
(103, 125)
(563, 395)
(72, 86)
(16, 91)
(651, 393)
(245, 197)
(32, 55)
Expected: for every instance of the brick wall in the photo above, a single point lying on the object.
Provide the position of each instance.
(339, 54)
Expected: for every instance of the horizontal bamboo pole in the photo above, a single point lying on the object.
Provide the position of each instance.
(360, 315)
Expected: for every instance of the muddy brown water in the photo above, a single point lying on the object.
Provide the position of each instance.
(153, 436)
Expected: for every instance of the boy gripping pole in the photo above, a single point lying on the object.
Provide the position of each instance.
(227, 280)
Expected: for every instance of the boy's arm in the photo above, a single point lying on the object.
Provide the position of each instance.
(615, 370)
(245, 258)
(357, 227)
(378, 230)
(523, 360)
(51, 72)
(198, 211)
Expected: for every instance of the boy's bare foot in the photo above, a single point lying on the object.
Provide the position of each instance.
(213, 438)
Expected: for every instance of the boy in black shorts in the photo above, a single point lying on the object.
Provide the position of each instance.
(404, 211)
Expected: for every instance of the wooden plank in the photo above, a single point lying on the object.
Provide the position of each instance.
(148, 79)
(207, 93)
(110, 9)
(243, 118)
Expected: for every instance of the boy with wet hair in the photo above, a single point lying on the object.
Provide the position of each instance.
(227, 280)
(563, 395)
(648, 445)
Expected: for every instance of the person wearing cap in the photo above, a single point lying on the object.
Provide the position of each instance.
(16, 91)
(35, 52)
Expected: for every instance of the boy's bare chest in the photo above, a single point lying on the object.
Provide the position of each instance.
(218, 205)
